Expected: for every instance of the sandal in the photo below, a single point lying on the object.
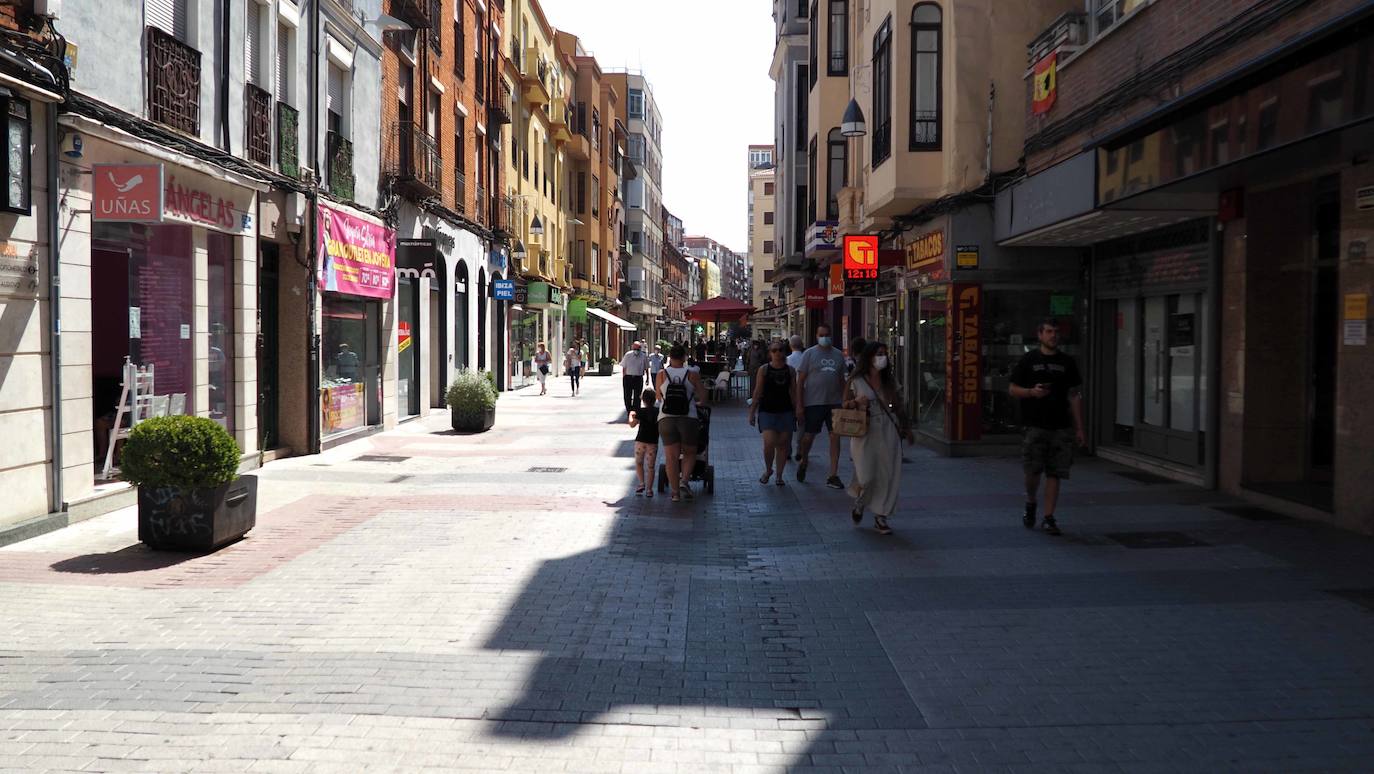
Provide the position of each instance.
(767, 474)
(639, 491)
(857, 515)
(676, 497)
(649, 493)
(880, 524)
(780, 482)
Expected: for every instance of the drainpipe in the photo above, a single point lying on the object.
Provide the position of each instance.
(312, 336)
(225, 16)
(57, 503)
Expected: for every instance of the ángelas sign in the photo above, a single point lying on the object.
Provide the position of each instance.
(357, 256)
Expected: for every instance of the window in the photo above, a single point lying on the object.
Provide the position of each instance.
(882, 92)
(811, 181)
(925, 77)
(460, 141)
(337, 96)
(252, 43)
(801, 9)
(767, 218)
(281, 74)
(596, 196)
(836, 173)
(768, 247)
(767, 189)
(18, 160)
(581, 192)
(170, 16)
(636, 104)
(815, 42)
(460, 45)
(1106, 13)
(839, 38)
(803, 106)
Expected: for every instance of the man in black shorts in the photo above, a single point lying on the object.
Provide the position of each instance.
(1049, 386)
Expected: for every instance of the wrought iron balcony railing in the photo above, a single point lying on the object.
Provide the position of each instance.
(417, 13)
(480, 205)
(412, 158)
(258, 125)
(288, 140)
(173, 70)
(339, 153)
(460, 192)
(499, 108)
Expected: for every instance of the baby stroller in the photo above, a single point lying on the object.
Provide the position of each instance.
(704, 471)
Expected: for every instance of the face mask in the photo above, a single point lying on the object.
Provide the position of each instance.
(824, 341)
(880, 362)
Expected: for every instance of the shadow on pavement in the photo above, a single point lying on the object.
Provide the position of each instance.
(135, 558)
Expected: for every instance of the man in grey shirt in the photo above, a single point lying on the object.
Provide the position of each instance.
(821, 378)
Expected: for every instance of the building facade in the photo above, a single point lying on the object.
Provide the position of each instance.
(791, 73)
(770, 320)
(643, 201)
(1223, 224)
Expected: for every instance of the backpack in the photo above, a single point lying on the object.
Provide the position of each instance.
(675, 400)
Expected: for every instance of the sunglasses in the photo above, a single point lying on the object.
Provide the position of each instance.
(775, 349)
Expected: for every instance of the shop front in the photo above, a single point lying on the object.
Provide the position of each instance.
(172, 265)
(971, 310)
(357, 279)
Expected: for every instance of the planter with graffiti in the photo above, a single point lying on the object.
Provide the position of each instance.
(190, 497)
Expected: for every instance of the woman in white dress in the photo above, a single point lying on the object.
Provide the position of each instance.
(873, 388)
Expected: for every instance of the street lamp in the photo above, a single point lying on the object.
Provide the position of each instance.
(536, 228)
(518, 252)
(852, 125)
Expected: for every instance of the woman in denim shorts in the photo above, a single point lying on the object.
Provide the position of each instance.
(775, 409)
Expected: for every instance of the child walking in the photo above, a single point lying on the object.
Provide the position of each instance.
(646, 443)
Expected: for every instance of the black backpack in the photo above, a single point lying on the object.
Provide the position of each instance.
(675, 399)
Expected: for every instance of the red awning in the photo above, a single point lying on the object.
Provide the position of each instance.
(718, 308)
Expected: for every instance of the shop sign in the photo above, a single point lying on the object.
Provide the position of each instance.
(964, 364)
(1182, 334)
(926, 257)
(1045, 83)
(1355, 328)
(416, 258)
(1364, 198)
(966, 257)
(539, 294)
(403, 337)
(822, 236)
(358, 256)
(18, 268)
(199, 206)
(130, 193)
(555, 296)
(577, 311)
(503, 289)
(815, 298)
(836, 280)
(861, 257)
(1061, 306)
(343, 407)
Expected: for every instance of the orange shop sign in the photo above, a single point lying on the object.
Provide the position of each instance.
(927, 253)
(861, 257)
(129, 193)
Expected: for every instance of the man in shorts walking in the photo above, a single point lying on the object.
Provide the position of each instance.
(821, 381)
(1049, 386)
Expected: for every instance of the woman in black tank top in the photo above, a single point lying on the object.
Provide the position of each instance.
(774, 409)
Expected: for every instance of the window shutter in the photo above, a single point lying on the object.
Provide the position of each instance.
(283, 61)
(335, 90)
(170, 16)
(252, 69)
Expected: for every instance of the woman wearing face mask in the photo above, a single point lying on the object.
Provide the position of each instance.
(878, 454)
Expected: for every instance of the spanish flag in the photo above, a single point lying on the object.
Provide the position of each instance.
(1045, 84)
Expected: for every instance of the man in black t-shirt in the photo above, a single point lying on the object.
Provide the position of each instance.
(1048, 383)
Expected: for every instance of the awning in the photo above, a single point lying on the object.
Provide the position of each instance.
(610, 318)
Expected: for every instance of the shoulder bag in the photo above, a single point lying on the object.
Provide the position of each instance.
(850, 423)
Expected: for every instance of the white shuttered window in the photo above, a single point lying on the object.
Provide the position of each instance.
(336, 91)
(282, 64)
(252, 43)
(170, 16)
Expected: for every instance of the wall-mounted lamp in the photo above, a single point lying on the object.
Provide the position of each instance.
(518, 252)
(536, 227)
(852, 125)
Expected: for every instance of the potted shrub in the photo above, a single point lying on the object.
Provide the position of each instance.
(472, 402)
(604, 366)
(491, 379)
(190, 496)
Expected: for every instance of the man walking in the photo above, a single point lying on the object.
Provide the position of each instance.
(821, 378)
(795, 356)
(632, 369)
(1048, 384)
(655, 363)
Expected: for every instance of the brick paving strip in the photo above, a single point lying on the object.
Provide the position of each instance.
(502, 602)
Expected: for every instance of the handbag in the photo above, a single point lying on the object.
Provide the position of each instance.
(544, 368)
(851, 423)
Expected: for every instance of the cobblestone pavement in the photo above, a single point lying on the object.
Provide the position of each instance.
(424, 600)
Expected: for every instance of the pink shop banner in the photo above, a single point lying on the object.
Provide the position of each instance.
(357, 257)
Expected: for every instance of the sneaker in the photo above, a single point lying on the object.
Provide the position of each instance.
(1049, 526)
(834, 482)
(1028, 518)
(801, 472)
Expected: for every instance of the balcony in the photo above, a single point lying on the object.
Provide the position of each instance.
(480, 205)
(559, 119)
(1066, 35)
(257, 125)
(417, 13)
(499, 108)
(412, 161)
(339, 157)
(580, 148)
(502, 215)
(288, 141)
(534, 81)
(173, 82)
(460, 192)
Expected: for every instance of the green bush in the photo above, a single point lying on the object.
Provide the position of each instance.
(179, 452)
(471, 395)
(491, 379)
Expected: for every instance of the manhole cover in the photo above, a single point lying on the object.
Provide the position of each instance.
(1251, 512)
(1362, 597)
(1140, 476)
(1155, 540)
(379, 458)
(546, 470)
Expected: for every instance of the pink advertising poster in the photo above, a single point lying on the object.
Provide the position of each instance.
(357, 257)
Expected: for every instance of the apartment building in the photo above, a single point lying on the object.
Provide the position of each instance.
(725, 271)
(643, 201)
(762, 240)
(596, 153)
(1224, 225)
(791, 74)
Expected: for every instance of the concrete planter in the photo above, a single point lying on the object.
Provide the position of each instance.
(197, 520)
(469, 422)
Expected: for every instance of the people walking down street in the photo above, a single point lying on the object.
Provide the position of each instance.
(645, 417)
(680, 391)
(572, 362)
(857, 345)
(656, 361)
(821, 375)
(586, 353)
(798, 348)
(756, 359)
(1048, 384)
(543, 363)
(877, 455)
(775, 409)
(632, 369)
